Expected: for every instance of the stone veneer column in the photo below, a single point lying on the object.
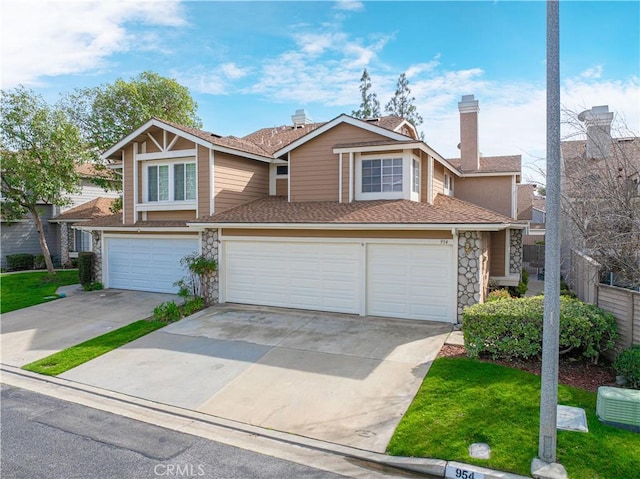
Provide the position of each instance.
(96, 247)
(64, 244)
(210, 286)
(469, 270)
(515, 256)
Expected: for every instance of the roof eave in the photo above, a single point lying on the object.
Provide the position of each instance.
(359, 226)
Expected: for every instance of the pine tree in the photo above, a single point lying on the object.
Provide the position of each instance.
(370, 106)
(402, 103)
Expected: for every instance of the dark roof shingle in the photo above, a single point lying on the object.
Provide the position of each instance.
(445, 210)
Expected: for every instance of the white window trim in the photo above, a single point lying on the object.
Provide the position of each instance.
(407, 177)
(448, 188)
(415, 195)
(169, 204)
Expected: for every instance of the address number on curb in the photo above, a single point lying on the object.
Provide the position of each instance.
(452, 472)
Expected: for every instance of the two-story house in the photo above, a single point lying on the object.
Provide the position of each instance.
(349, 215)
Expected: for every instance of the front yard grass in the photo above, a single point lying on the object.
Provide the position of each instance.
(20, 290)
(463, 401)
(69, 358)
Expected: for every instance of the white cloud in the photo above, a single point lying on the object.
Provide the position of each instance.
(593, 72)
(49, 38)
(233, 71)
(349, 5)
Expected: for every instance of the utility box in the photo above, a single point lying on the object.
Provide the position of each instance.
(619, 407)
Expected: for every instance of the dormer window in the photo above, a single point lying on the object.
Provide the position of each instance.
(387, 176)
(382, 175)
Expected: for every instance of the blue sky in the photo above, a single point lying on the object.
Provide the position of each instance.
(252, 64)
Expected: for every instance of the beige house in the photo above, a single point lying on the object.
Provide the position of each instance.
(349, 215)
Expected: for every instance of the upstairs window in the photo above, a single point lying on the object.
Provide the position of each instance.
(282, 170)
(383, 175)
(448, 184)
(174, 182)
(415, 186)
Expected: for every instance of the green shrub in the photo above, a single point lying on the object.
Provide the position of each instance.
(167, 312)
(192, 306)
(39, 262)
(97, 286)
(19, 262)
(627, 364)
(498, 295)
(85, 267)
(512, 329)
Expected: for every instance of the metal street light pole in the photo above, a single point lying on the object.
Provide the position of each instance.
(551, 329)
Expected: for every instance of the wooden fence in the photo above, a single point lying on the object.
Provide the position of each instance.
(624, 304)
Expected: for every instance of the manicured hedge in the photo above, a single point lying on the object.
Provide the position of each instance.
(628, 365)
(19, 262)
(512, 328)
(85, 267)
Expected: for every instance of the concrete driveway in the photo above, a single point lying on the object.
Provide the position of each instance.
(335, 377)
(38, 331)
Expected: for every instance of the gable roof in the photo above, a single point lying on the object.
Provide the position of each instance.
(364, 124)
(277, 210)
(96, 208)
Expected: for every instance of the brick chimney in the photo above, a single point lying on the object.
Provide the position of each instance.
(598, 122)
(469, 147)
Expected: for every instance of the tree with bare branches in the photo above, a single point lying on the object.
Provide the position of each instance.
(601, 194)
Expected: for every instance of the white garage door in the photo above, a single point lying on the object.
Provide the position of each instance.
(318, 276)
(147, 264)
(410, 281)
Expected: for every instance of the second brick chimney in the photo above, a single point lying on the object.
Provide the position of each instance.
(469, 147)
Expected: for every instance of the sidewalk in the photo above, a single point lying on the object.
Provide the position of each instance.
(536, 287)
(315, 453)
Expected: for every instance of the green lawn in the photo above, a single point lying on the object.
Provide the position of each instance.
(76, 355)
(463, 401)
(20, 290)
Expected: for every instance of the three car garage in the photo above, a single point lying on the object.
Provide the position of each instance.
(412, 279)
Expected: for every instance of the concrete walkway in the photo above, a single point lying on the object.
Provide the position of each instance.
(536, 287)
(36, 332)
(335, 377)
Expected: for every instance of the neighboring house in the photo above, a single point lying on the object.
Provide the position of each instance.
(20, 236)
(354, 216)
(600, 185)
(73, 240)
(531, 211)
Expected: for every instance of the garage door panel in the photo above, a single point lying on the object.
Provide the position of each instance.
(410, 281)
(299, 275)
(147, 264)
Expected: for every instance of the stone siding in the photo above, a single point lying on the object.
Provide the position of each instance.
(96, 239)
(470, 269)
(64, 244)
(210, 286)
(515, 256)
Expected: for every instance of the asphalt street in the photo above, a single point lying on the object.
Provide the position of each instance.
(44, 437)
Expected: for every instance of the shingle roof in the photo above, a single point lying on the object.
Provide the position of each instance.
(445, 210)
(88, 170)
(115, 220)
(95, 208)
(493, 164)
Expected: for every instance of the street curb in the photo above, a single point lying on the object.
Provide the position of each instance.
(176, 418)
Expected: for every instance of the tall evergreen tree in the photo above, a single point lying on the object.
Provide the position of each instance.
(402, 103)
(370, 106)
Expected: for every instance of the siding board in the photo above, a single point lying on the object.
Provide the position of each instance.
(313, 168)
(497, 253)
(238, 181)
